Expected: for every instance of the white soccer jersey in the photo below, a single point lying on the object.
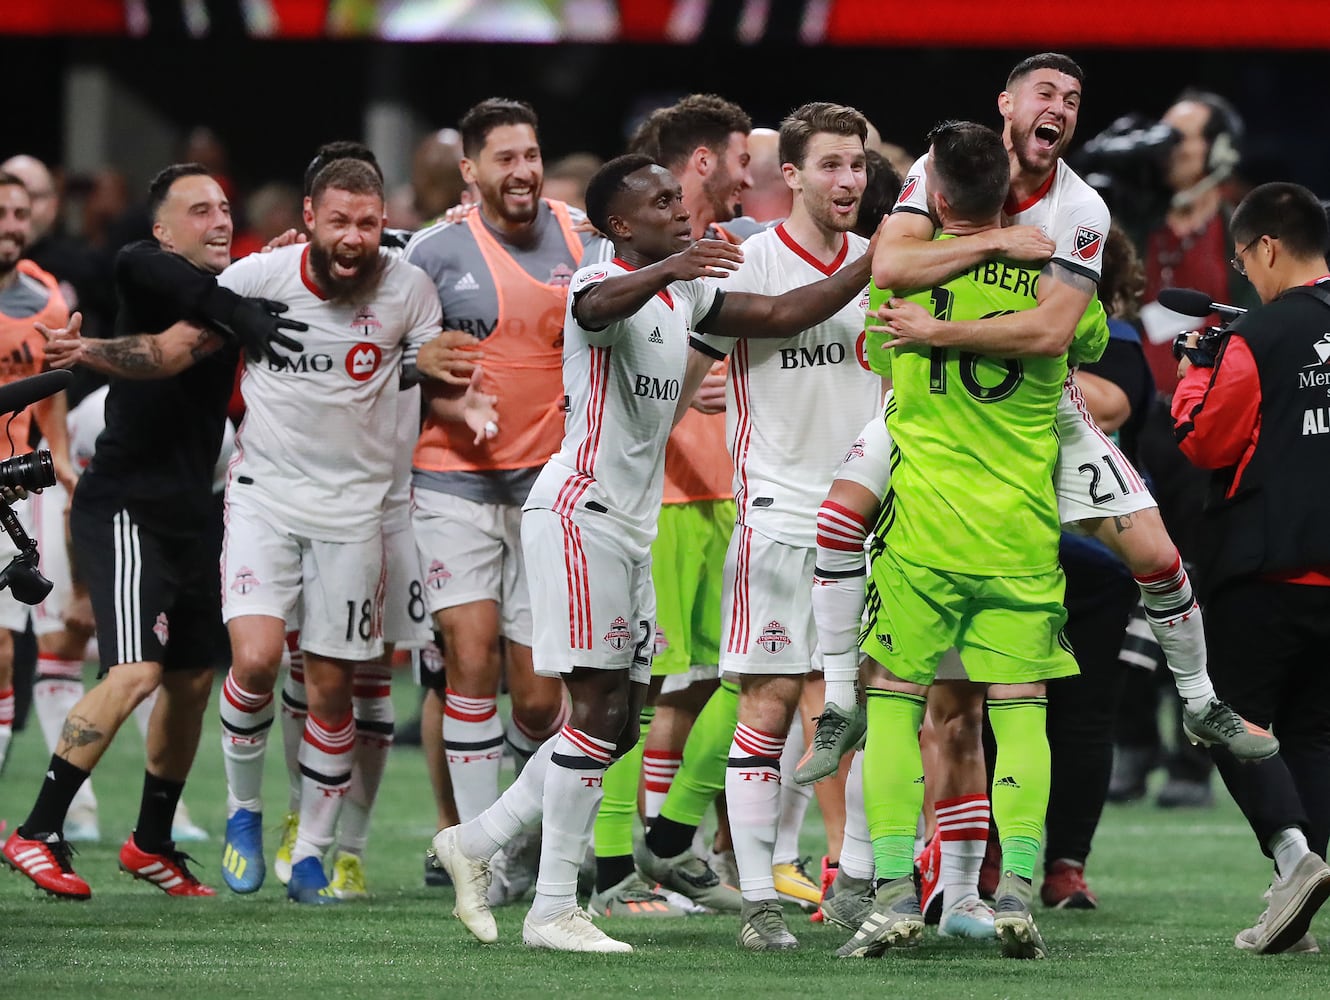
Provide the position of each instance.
(622, 385)
(317, 444)
(1068, 210)
(792, 406)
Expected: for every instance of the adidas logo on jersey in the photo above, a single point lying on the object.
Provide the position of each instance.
(655, 337)
(466, 283)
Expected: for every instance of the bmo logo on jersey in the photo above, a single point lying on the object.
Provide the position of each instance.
(362, 361)
(812, 357)
(650, 387)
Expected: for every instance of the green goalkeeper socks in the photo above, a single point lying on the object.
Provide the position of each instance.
(893, 779)
(1021, 779)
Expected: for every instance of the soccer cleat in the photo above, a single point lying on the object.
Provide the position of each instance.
(970, 918)
(1131, 768)
(81, 825)
(348, 877)
(281, 862)
(514, 868)
(793, 884)
(847, 901)
(763, 927)
(46, 861)
(929, 865)
(1184, 793)
(309, 884)
(632, 898)
(1294, 900)
(164, 869)
(471, 879)
(435, 878)
(183, 828)
(895, 922)
(1064, 887)
(723, 863)
(573, 931)
(838, 732)
(1012, 920)
(689, 875)
(1219, 725)
(829, 870)
(243, 867)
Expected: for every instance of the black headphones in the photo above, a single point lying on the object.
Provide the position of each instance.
(1224, 131)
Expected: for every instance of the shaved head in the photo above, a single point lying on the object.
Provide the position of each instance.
(41, 189)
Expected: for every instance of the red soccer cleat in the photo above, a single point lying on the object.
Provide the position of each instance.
(46, 863)
(1064, 887)
(829, 870)
(929, 864)
(167, 870)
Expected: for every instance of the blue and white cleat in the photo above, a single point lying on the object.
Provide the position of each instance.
(969, 918)
(243, 868)
(309, 884)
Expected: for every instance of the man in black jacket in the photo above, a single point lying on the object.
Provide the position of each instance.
(1255, 411)
(139, 523)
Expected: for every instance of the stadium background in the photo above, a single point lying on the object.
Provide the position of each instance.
(89, 86)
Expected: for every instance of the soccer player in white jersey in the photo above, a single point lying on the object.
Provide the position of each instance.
(791, 405)
(1053, 214)
(304, 507)
(589, 521)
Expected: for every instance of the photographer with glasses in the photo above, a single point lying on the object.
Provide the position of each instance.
(1255, 408)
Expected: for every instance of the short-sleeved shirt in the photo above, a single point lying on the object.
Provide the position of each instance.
(1068, 210)
(33, 297)
(316, 448)
(792, 406)
(623, 385)
(973, 440)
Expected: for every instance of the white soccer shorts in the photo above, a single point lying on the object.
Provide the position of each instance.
(405, 615)
(766, 607)
(1094, 479)
(592, 601)
(332, 592)
(473, 551)
(46, 511)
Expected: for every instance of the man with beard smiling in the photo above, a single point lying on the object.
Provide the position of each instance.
(502, 276)
(305, 500)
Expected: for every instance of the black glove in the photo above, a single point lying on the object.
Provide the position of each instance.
(257, 325)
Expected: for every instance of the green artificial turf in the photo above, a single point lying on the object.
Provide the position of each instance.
(1174, 887)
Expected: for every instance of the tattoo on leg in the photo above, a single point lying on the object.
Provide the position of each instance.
(78, 732)
(1122, 523)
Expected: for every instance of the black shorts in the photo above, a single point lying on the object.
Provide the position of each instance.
(156, 596)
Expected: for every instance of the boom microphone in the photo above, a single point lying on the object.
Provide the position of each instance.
(1191, 302)
(33, 389)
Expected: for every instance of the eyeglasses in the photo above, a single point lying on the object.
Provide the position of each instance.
(1237, 263)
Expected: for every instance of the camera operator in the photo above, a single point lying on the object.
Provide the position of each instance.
(1259, 418)
(140, 522)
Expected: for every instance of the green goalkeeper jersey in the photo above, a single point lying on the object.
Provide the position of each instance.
(973, 438)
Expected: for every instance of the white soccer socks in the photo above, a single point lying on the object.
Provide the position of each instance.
(1175, 620)
(473, 742)
(246, 718)
(374, 718)
(326, 754)
(752, 791)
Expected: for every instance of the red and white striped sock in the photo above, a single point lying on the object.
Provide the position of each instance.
(246, 719)
(473, 742)
(1175, 619)
(56, 689)
(6, 721)
(295, 706)
(752, 791)
(574, 781)
(839, 596)
(658, 770)
(962, 827)
(326, 753)
(373, 709)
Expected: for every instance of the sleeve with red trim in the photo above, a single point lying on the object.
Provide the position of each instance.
(1217, 411)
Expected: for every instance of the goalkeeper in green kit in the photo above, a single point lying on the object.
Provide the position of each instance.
(965, 555)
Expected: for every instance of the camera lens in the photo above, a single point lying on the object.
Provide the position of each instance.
(34, 471)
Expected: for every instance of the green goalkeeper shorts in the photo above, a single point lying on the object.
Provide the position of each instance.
(686, 563)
